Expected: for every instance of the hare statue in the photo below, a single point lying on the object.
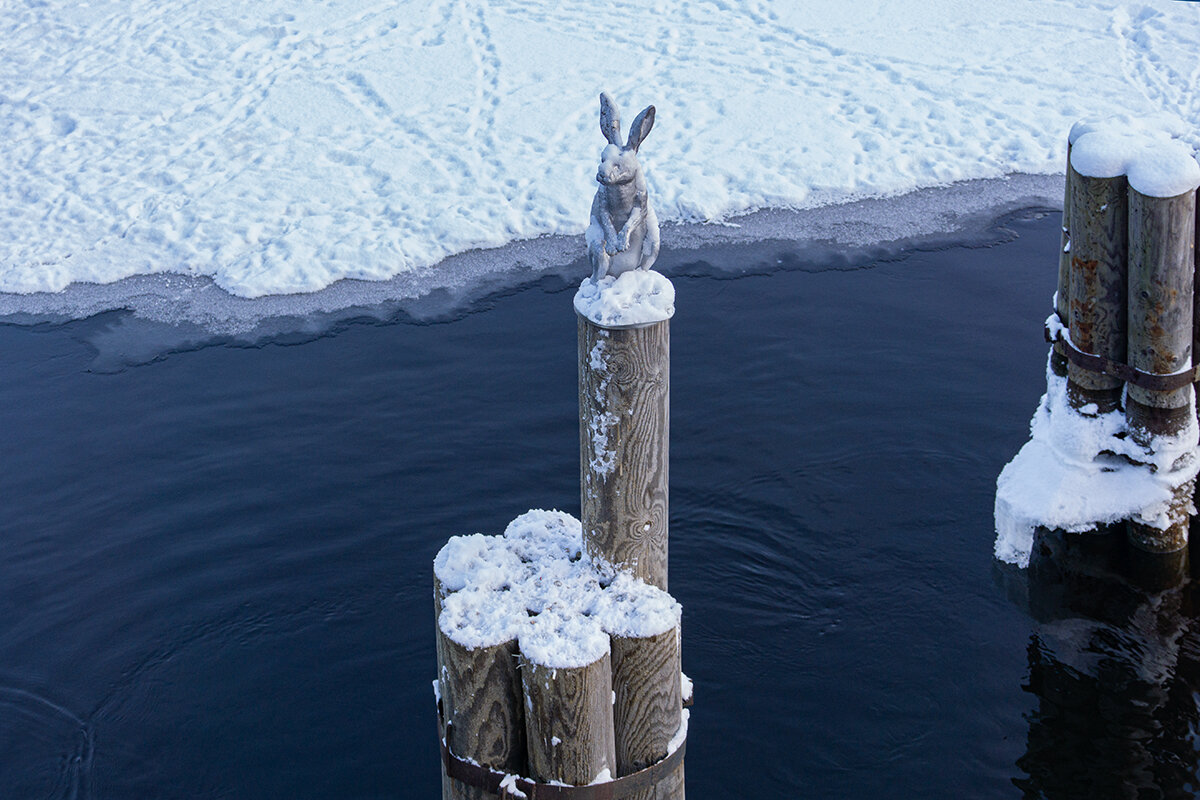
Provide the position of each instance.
(623, 232)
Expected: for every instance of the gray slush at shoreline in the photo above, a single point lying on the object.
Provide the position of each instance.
(855, 230)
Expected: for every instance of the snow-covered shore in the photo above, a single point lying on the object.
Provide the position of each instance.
(865, 229)
(271, 149)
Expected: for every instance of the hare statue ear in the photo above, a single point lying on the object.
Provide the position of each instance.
(610, 120)
(640, 128)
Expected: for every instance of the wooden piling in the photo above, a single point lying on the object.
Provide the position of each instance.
(1161, 302)
(1062, 296)
(624, 408)
(482, 707)
(1097, 286)
(647, 707)
(438, 596)
(569, 721)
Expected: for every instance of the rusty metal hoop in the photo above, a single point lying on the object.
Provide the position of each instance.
(1105, 366)
(481, 777)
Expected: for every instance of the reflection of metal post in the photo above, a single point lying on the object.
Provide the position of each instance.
(1115, 686)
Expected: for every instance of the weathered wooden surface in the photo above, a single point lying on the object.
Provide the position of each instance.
(569, 721)
(624, 418)
(1099, 247)
(438, 596)
(1161, 302)
(646, 711)
(485, 720)
(1062, 295)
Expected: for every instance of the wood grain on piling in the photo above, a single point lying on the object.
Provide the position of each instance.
(481, 696)
(438, 596)
(646, 711)
(569, 721)
(624, 405)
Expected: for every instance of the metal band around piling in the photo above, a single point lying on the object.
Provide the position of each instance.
(490, 780)
(1106, 366)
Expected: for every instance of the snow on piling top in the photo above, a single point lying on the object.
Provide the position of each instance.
(636, 297)
(1157, 164)
(1167, 171)
(535, 584)
(545, 535)
(634, 609)
(1168, 125)
(559, 639)
(478, 561)
(479, 617)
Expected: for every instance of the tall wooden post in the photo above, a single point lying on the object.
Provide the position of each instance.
(1161, 301)
(1099, 244)
(624, 417)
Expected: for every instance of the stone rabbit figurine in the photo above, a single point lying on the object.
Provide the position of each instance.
(623, 232)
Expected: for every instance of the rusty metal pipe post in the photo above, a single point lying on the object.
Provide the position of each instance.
(1196, 291)
(1161, 302)
(1098, 275)
(1062, 297)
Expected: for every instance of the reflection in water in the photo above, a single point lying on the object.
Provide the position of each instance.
(1115, 669)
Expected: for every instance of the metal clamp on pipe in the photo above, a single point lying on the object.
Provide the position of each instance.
(1153, 381)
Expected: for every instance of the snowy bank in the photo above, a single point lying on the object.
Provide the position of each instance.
(175, 311)
(272, 148)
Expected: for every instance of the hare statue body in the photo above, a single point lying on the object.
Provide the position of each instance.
(623, 232)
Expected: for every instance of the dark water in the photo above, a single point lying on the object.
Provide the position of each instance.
(215, 568)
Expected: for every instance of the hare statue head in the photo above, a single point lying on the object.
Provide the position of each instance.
(619, 162)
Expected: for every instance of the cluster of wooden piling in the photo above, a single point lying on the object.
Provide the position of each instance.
(515, 723)
(507, 707)
(1127, 298)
